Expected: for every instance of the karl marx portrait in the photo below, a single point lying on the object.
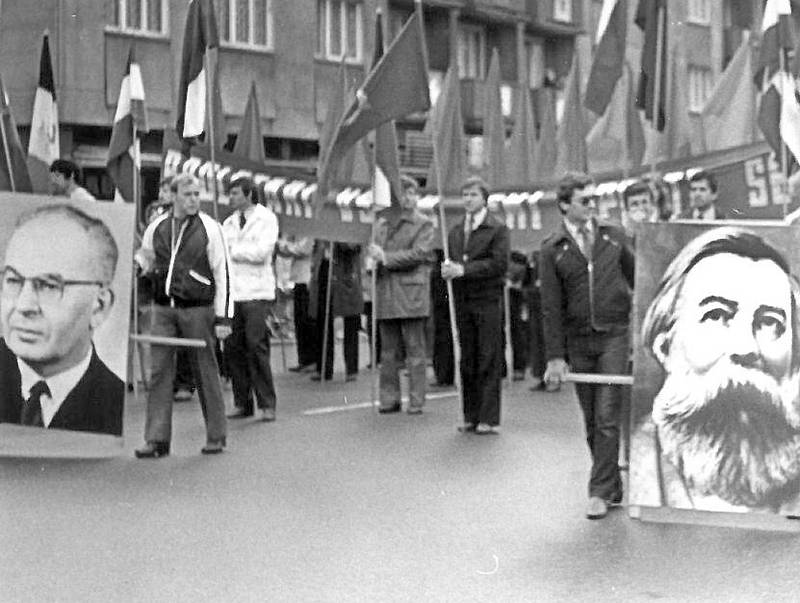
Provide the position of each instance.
(55, 292)
(724, 433)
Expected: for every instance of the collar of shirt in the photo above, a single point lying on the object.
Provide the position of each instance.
(709, 213)
(573, 229)
(477, 218)
(60, 385)
(249, 211)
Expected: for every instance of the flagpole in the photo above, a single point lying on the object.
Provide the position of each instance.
(327, 319)
(657, 88)
(136, 204)
(209, 68)
(6, 150)
(784, 153)
(373, 335)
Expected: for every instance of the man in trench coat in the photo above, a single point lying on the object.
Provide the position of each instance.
(402, 254)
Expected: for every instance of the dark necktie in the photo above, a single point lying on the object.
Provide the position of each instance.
(242, 221)
(586, 240)
(32, 407)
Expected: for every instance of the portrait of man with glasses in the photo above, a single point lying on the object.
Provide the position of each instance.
(55, 292)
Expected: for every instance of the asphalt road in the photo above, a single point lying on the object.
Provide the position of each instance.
(349, 505)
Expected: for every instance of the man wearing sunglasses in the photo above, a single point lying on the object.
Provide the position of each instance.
(587, 277)
(54, 294)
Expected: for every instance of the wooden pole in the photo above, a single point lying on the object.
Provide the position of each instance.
(9, 166)
(210, 67)
(509, 349)
(135, 305)
(784, 150)
(327, 320)
(373, 334)
(657, 88)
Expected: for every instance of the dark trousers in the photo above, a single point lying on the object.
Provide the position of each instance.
(247, 350)
(351, 324)
(480, 330)
(600, 404)
(536, 351)
(519, 329)
(368, 329)
(194, 323)
(305, 327)
(404, 344)
(443, 367)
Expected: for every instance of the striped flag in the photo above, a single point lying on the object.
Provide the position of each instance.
(130, 116)
(43, 146)
(199, 36)
(13, 168)
(609, 55)
(651, 18)
(387, 163)
(779, 109)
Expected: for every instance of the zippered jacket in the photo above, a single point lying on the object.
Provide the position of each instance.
(582, 297)
(189, 265)
(250, 250)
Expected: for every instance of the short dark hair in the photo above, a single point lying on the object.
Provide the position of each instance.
(96, 230)
(637, 188)
(571, 182)
(479, 183)
(244, 183)
(66, 168)
(661, 314)
(707, 176)
(407, 182)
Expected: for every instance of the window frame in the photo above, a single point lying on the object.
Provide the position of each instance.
(122, 17)
(466, 32)
(698, 12)
(707, 82)
(324, 30)
(563, 11)
(232, 42)
(532, 43)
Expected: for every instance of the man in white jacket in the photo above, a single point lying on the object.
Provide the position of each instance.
(251, 233)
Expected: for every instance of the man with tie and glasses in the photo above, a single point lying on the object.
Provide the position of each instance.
(54, 294)
(586, 281)
(479, 248)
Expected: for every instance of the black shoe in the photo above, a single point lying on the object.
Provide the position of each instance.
(213, 447)
(615, 498)
(385, 410)
(351, 377)
(467, 428)
(240, 413)
(152, 450)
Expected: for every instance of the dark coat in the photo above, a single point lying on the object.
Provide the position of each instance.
(403, 283)
(347, 298)
(719, 214)
(572, 304)
(95, 404)
(485, 259)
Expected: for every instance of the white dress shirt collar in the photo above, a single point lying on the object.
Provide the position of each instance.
(477, 218)
(60, 385)
(574, 230)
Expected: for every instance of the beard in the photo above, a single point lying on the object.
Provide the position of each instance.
(733, 432)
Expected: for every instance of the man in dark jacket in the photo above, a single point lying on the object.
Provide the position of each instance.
(401, 254)
(703, 197)
(587, 276)
(479, 246)
(184, 254)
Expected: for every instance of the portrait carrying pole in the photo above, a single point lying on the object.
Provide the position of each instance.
(9, 167)
(210, 66)
(660, 50)
(136, 204)
(327, 319)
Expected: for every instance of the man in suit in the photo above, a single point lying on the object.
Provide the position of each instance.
(479, 246)
(587, 277)
(53, 297)
(703, 198)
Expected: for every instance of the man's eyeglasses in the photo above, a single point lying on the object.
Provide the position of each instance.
(49, 288)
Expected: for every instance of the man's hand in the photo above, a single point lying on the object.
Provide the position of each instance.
(376, 253)
(222, 331)
(556, 371)
(451, 270)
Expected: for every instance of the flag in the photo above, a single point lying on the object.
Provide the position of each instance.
(777, 37)
(43, 146)
(609, 55)
(395, 87)
(571, 135)
(647, 19)
(14, 174)
(728, 118)
(494, 127)
(446, 127)
(199, 36)
(386, 183)
(617, 139)
(546, 148)
(333, 113)
(130, 116)
(521, 158)
(675, 140)
(779, 116)
(250, 141)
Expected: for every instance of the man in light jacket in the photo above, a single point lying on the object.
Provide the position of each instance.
(251, 233)
(402, 254)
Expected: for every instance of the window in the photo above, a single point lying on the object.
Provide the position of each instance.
(471, 52)
(534, 51)
(141, 16)
(699, 12)
(340, 30)
(562, 10)
(700, 86)
(246, 23)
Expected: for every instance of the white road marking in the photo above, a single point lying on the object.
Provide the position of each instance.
(326, 410)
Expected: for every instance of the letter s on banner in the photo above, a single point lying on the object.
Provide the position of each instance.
(755, 175)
